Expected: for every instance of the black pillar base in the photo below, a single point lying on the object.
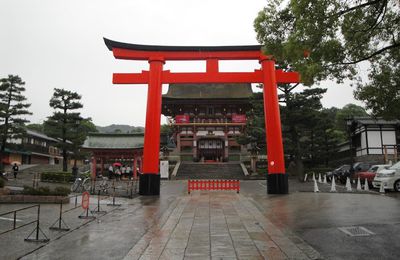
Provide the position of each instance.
(277, 184)
(149, 184)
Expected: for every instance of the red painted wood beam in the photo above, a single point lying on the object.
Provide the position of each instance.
(205, 77)
(185, 55)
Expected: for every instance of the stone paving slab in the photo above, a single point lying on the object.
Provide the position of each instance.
(215, 225)
(223, 225)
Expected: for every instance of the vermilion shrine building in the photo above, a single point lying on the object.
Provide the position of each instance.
(206, 118)
(107, 149)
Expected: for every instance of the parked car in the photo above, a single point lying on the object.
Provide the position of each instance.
(357, 167)
(389, 178)
(370, 173)
(336, 173)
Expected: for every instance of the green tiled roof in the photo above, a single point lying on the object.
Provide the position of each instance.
(209, 91)
(114, 141)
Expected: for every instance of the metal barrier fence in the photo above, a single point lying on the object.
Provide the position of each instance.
(126, 188)
(213, 185)
(37, 221)
(59, 224)
(14, 214)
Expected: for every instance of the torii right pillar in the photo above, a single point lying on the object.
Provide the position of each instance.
(277, 179)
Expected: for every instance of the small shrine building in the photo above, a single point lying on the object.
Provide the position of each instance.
(107, 149)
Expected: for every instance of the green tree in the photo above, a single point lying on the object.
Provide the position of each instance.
(347, 112)
(64, 122)
(300, 120)
(36, 127)
(78, 137)
(12, 108)
(326, 137)
(334, 35)
(382, 94)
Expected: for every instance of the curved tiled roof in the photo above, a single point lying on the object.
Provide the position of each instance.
(114, 141)
(140, 47)
(209, 91)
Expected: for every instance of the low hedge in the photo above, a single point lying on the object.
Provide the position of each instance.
(56, 177)
(45, 191)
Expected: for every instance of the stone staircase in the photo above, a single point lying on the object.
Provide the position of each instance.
(228, 171)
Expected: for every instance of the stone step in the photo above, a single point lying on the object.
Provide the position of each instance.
(209, 171)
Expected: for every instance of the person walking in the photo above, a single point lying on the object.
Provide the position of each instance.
(129, 172)
(15, 170)
(110, 172)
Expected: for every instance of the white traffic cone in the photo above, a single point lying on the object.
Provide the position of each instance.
(348, 184)
(319, 178)
(358, 184)
(333, 187)
(366, 187)
(382, 188)
(305, 177)
(316, 186)
(313, 176)
(325, 179)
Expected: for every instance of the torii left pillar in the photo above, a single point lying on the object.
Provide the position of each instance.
(149, 182)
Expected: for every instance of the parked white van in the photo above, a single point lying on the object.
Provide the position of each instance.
(389, 178)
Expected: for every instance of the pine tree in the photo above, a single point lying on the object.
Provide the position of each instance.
(64, 121)
(12, 108)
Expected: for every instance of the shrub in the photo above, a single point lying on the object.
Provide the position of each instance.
(56, 177)
(62, 191)
(45, 191)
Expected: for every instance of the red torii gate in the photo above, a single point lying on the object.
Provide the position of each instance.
(277, 180)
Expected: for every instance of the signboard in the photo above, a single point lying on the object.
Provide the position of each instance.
(182, 119)
(85, 200)
(164, 167)
(238, 118)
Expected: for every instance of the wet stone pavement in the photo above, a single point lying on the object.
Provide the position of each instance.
(223, 225)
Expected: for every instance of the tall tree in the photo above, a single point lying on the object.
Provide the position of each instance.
(335, 35)
(64, 121)
(78, 137)
(12, 108)
(381, 94)
(299, 120)
(347, 112)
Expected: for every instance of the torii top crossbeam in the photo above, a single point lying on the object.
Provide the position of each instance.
(156, 76)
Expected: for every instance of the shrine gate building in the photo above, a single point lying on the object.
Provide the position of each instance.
(206, 119)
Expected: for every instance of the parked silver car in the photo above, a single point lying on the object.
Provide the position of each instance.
(390, 178)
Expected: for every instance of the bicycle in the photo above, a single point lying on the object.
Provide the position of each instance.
(103, 186)
(81, 184)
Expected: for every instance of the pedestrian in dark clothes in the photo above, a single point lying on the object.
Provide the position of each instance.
(15, 170)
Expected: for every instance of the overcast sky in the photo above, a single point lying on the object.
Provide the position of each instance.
(59, 44)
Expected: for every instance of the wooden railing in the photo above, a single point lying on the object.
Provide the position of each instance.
(213, 185)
